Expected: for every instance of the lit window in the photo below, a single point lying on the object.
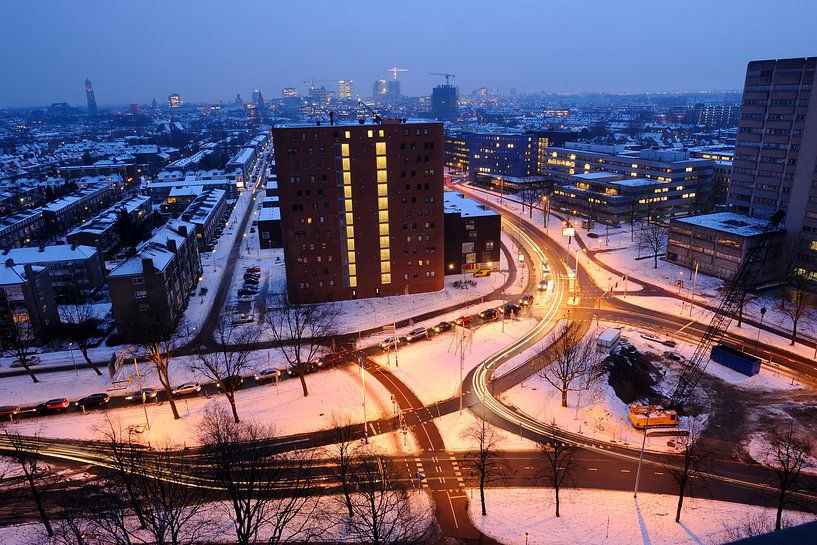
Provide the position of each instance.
(347, 177)
(381, 176)
(347, 193)
(382, 190)
(385, 266)
(380, 148)
(380, 133)
(344, 150)
(381, 162)
(385, 278)
(350, 232)
(370, 133)
(347, 134)
(382, 203)
(688, 169)
(383, 216)
(349, 218)
(352, 270)
(384, 229)
(352, 281)
(346, 164)
(351, 256)
(384, 242)
(385, 254)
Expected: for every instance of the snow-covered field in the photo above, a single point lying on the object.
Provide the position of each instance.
(601, 516)
(283, 406)
(454, 429)
(431, 368)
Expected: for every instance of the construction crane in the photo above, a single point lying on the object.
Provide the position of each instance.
(375, 115)
(443, 74)
(394, 70)
(743, 279)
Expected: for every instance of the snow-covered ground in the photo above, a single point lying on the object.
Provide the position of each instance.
(431, 368)
(603, 516)
(283, 406)
(454, 429)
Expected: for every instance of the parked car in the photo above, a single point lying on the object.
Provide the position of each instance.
(251, 281)
(252, 276)
(442, 327)
(245, 291)
(150, 394)
(416, 334)
(246, 299)
(53, 406)
(488, 314)
(9, 410)
(526, 301)
(242, 318)
(390, 344)
(186, 389)
(464, 320)
(482, 272)
(94, 400)
(253, 269)
(232, 382)
(330, 359)
(510, 308)
(252, 230)
(273, 373)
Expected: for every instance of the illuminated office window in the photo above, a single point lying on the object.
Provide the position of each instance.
(382, 203)
(346, 163)
(384, 229)
(383, 216)
(347, 177)
(382, 190)
(381, 162)
(344, 150)
(380, 148)
(385, 278)
(381, 176)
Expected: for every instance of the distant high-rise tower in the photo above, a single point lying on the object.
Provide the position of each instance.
(380, 89)
(258, 99)
(154, 105)
(444, 102)
(174, 101)
(289, 92)
(89, 96)
(344, 89)
(238, 101)
(318, 95)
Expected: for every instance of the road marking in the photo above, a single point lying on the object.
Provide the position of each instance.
(625, 470)
(453, 513)
(659, 472)
(592, 469)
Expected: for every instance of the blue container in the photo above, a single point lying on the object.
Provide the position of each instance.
(735, 359)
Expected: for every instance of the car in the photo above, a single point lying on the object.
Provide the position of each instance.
(255, 222)
(253, 269)
(251, 281)
(242, 318)
(245, 291)
(464, 320)
(9, 410)
(488, 314)
(442, 327)
(273, 373)
(53, 406)
(231, 382)
(252, 230)
(510, 308)
(526, 301)
(542, 285)
(389, 344)
(482, 272)
(149, 394)
(186, 389)
(246, 299)
(416, 334)
(93, 400)
(330, 359)
(252, 276)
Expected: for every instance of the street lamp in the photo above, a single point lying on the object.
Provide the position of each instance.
(762, 314)
(71, 349)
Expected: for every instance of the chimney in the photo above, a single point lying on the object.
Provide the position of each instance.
(29, 271)
(73, 246)
(9, 262)
(171, 245)
(331, 118)
(147, 265)
(183, 230)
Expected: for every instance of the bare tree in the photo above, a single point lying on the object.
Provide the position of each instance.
(653, 237)
(81, 325)
(798, 302)
(253, 480)
(121, 478)
(19, 342)
(231, 356)
(383, 507)
(485, 462)
(529, 197)
(558, 457)
(687, 468)
(342, 454)
(26, 453)
(574, 360)
(299, 332)
(787, 454)
(159, 341)
(73, 522)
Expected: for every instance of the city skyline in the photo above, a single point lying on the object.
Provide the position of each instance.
(185, 52)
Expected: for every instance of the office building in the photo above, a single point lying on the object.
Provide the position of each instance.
(90, 98)
(27, 300)
(456, 151)
(73, 270)
(361, 209)
(149, 291)
(713, 116)
(444, 102)
(258, 99)
(717, 243)
(501, 154)
(380, 89)
(472, 235)
(344, 89)
(174, 101)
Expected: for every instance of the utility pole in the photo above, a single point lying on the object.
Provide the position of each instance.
(141, 392)
(641, 457)
(363, 388)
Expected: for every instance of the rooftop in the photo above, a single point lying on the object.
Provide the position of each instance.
(49, 254)
(15, 274)
(155, 249)
(728, 222)
(457, 203)
(270, 213)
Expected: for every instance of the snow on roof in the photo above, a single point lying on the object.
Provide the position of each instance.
(635, 182)
(270, 213)
(728, 222)
(155, 249)
(457, 203)
(597, 175)
(15, 274)
(50, 254)
(186, 190)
